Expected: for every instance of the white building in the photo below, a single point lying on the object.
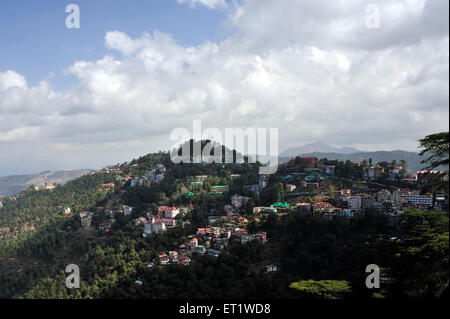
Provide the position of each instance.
(290, 188)
(127, 210)
(158, 226)
(171, 212)
(147, 228)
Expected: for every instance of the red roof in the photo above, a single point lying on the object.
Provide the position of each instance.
(322, 204)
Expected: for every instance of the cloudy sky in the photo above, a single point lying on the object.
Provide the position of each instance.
(116, 87)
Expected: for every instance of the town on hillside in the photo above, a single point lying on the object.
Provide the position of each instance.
(304, 186)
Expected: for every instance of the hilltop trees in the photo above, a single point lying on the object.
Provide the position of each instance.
(436, 148)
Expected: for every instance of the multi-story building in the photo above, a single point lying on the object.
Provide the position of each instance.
(156, 225)
(440, 203)
(383, 195)
(304, 207)
(367, 202)
(354, 203)
(168, 212)
(400, 196)
(193, 243)
(420, 200)
(147, 228)
(86, 218)
(127, 210)
(322, 207)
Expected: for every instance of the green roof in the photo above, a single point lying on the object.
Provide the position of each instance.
(217, 186)
(280, 204)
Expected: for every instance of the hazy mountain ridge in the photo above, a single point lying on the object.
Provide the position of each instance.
(13, 184)
(318, 147)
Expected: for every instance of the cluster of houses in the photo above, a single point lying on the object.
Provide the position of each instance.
(306, 181)
(374, 172)
(172, 257)
(257, 188)
(212, 240)
(44, 186)
(208, 240)
(237, 201)
(110, 169)
(197, 184)
(399, 172)
(385, 202)
(164, 219)
(155, 175)
(396, 201)
(108, 186)
(86, 217)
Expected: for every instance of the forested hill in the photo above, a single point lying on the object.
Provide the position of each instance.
(10, 185)
(32, 208)
(32, 262)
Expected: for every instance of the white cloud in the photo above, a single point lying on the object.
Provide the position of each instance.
(10, 79)
(310, 69)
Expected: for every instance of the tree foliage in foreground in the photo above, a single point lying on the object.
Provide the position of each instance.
(329, 289)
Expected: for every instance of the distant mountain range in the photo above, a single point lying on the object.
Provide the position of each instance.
(10, 185)
(318, 147)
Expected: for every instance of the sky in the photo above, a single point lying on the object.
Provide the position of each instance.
(368, 74)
